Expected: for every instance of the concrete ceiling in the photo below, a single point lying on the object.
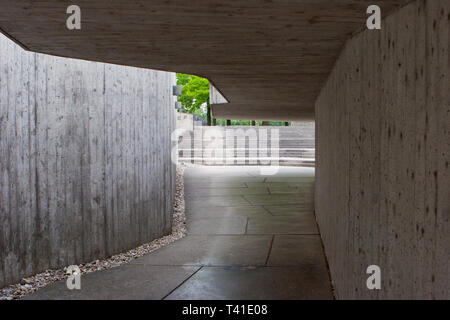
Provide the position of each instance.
(269, 58)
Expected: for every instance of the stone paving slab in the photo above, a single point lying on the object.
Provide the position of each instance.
(201, 194)
(226, 212)
(211, 226)
(298, 250)
(296, 178)
(306, 186)
(291, 209)
(216, 250)
(288, 189)
(204, 184)
(260, 283)
(137, 282)
(225, 179)
(273, 199)
(293, 172)
(219, 201)
(282, 225)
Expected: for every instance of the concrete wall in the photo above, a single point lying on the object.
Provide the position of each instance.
(215, 97)
(382, 132)
(84, 157)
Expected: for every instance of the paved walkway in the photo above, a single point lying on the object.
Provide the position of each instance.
(250, 237)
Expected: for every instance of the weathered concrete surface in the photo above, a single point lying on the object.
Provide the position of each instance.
(215, 97)
(84, 157)
(256, 283)
(382, 189)
(127, 282)
(213, 264)
(268, 58)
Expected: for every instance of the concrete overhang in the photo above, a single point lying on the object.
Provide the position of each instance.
(268, 58)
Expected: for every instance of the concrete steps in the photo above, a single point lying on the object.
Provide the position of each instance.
(293, 146)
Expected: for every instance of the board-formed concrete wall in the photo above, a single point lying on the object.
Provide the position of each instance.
(84, 158)
(382, 142)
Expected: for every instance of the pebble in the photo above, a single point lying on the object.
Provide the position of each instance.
(30, 284)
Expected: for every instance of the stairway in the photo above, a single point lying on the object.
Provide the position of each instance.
(288, 146)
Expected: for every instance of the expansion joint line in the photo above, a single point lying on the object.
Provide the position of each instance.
(183, 282)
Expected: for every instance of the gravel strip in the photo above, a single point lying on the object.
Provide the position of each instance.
(179, 230)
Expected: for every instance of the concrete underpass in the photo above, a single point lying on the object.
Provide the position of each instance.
(86, 148)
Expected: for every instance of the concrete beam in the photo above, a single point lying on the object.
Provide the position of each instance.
(268, 58)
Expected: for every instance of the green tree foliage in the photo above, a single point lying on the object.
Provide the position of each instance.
(194, 94)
